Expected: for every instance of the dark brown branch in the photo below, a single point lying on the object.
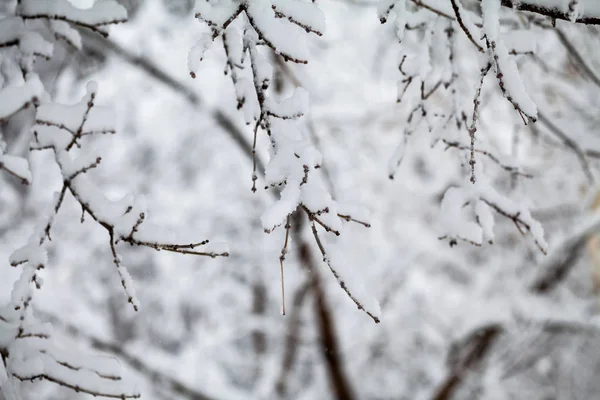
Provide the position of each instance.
(459, 19)
(329, 340)
(478, 344)
(470, 353)
(552, 12)
(434, 10)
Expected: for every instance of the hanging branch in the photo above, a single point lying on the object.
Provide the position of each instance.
(294, 165)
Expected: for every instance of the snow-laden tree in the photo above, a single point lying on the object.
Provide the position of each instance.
(509, 90)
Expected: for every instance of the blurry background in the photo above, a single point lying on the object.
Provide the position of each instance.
(457, 323)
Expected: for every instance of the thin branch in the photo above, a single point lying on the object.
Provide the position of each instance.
(475, 118)
(509, 168)
(554, 13)
(517, 220)
(282, 259)
(337, 276)
(13, 173)
(426, 5)
(76, 388)
(222, 120)
(459, 18)
(292, 339)
(562, 260)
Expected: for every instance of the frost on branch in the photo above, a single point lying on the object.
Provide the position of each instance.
(249, 30)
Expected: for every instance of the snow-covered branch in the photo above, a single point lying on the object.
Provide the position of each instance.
(294, 166)
(29, 353)
(579, 11)
(96, 18)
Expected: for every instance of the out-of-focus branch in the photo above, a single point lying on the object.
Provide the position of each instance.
(474, 348)
(478, 344)
(152, 374)
(570, 143)
(330, 347)
(292, 340)
(105, 45)
(577, 57)
(469, 354)
(562, 260)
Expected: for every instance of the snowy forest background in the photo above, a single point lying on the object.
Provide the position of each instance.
(484, 290)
